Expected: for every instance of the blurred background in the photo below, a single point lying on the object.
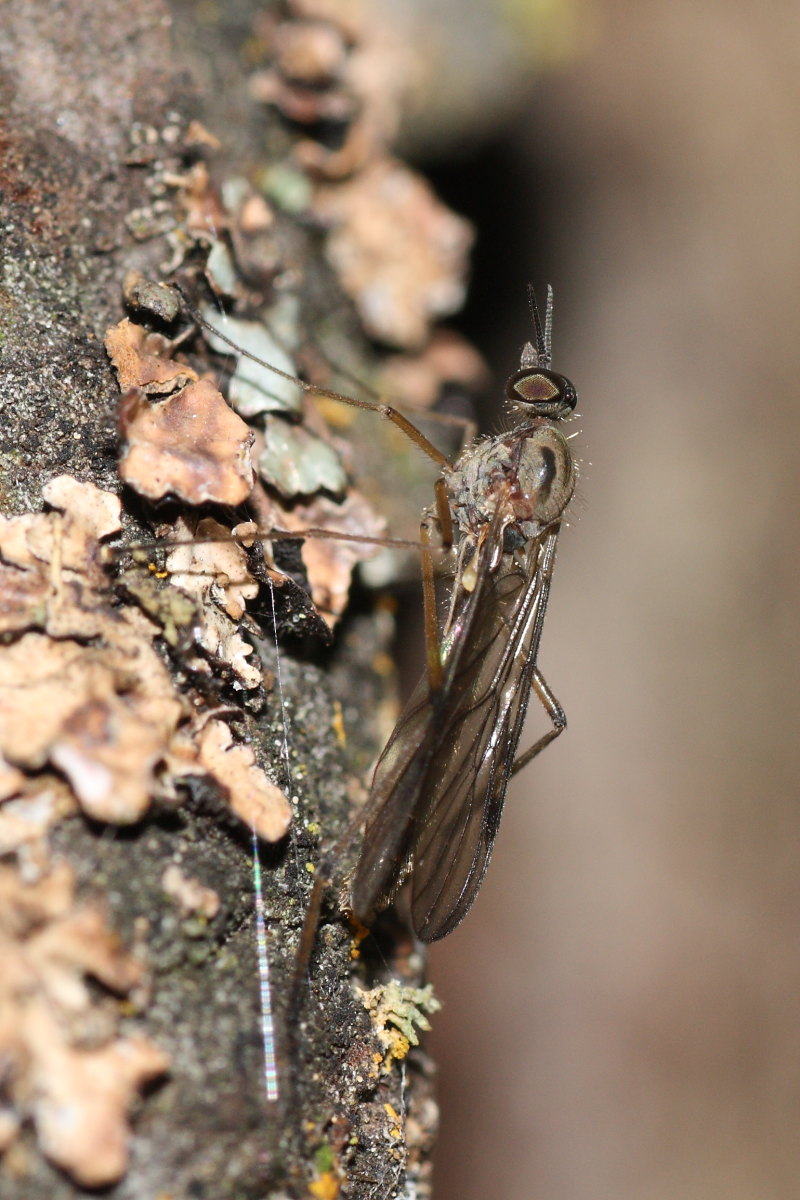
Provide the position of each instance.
(621, 1005)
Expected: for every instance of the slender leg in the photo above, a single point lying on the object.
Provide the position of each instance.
(468, 427)
(432, 640)
(443, 512)
(385, 410)
(247, 537)
(556, 714)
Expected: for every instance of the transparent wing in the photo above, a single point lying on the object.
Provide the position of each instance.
(441, 781)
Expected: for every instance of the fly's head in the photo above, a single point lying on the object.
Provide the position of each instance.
(520, 482)
(535, 388)
(541, 392)
(544, 474)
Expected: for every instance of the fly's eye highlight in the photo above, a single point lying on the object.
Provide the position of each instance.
(547, 392)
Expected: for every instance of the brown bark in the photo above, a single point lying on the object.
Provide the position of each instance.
(87, 89)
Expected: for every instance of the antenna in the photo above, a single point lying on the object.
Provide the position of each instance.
(548, 328)
(544, 355)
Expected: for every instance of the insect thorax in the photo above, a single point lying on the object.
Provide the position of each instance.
(529, 472)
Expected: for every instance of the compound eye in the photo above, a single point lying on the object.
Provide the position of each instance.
(547, 392)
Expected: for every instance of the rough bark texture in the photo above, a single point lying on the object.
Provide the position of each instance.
(93, 94)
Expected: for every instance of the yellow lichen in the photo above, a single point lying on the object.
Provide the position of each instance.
(398, 1012)
(326, 1186)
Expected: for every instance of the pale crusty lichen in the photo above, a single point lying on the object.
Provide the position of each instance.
(83, 691)
(67, 1068)
(398, 1012)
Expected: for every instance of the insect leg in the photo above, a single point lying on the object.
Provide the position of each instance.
(385, 410)
(443, 512)
(433, 654)
(556, 714)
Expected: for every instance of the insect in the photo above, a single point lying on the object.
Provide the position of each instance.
(438, 789)
(439, 786)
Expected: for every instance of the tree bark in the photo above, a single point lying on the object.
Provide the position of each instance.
(97, 97)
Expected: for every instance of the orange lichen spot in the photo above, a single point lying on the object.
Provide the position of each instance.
(384, 665)
(326, 1186)
(338, 724)
(337, 416)
(397, 1046)
(359, 933)
(398, 1012)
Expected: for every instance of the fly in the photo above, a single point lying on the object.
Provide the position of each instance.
(439, 786)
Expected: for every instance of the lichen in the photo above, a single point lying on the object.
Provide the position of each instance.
(398, 1012)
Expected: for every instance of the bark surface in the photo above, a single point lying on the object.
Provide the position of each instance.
(96, 96)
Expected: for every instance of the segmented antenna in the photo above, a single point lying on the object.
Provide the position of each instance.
(537, 327)
(544, 336)
(548, 328)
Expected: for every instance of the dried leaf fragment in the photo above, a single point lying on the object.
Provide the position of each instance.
(309, 51)
(206, 216)
(215, 575)
(191, 445)
(329, 562)
(138, 359)
(300, 103)
(29, 809)
(260, 804)
(88, 506)
(11, 781)
(211, 564)
(83, 1097)
(448, 358)
(57, 549)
